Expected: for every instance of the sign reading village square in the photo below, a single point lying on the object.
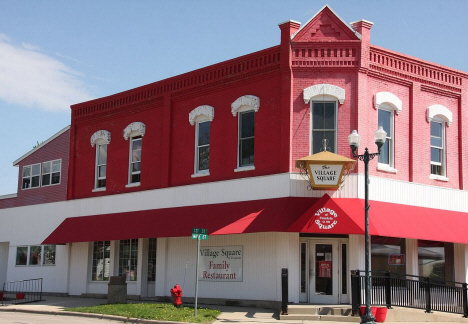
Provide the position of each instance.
(221, 263)
(326, 175)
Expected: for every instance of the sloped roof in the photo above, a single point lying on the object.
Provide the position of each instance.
(15, 163)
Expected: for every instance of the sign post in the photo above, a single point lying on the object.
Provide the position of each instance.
(198, 234)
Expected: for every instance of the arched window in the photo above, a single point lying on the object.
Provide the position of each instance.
(201, 117)
(245, 108)
(134, 132)
(439, 117)
(100, 139)
(387, 105)
(324, 99)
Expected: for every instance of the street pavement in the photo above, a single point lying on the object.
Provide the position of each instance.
(51, 311)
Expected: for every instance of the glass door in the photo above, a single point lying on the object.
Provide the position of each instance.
(323, 272)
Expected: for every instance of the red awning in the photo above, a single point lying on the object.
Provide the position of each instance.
(268, 215)
(385, 219)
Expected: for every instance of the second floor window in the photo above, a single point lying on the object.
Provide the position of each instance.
(246, 138)
(202, 150)
(323, 125)
(437, 148)
(51, 172)
(386, 121)
(31, 176)
(101, 165)
(135, 160)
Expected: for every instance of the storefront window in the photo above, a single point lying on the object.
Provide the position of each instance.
(435, 260)
(388, 254)
(128, 259)
(152, 259)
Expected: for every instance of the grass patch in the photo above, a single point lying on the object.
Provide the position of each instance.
(152, 311)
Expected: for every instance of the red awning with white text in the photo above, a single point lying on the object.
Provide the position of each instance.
(346, 216)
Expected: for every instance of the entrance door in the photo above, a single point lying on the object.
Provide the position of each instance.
(323, 272)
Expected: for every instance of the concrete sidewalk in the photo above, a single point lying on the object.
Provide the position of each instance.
(56, 305)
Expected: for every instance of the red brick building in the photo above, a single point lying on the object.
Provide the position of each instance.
(215, 148)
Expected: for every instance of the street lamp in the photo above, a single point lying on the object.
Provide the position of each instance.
(379, 136)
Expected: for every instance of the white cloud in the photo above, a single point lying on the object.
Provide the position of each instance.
(31, 78)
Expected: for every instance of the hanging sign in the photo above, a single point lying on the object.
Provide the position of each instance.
(325, 170)
(221, 263)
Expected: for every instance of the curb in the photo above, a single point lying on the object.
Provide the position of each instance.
(90, 315)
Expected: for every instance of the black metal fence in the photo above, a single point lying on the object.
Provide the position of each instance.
(19, 292)
(394, 289)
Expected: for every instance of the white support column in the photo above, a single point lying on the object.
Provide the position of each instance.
(114, 257)
(356, 252)
(160, 286)
(412, 265)
(461, 262)
(144, 267)
(140, 273)
(4, 249)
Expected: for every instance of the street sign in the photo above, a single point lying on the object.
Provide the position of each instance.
(202, 236)
(200, 232)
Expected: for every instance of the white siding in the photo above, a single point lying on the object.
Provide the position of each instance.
(264, 256)
(54, 276)
(78, 268)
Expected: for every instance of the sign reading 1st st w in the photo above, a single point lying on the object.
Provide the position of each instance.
(200, 232)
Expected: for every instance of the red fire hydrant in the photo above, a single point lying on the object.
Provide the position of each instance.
(176, 293)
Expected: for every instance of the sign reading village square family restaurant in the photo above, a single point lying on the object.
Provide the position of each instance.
(221, 263)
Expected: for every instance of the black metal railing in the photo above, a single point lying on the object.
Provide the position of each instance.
(23, 291)
(395, 289)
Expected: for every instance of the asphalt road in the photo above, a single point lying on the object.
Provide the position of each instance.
(28, 318)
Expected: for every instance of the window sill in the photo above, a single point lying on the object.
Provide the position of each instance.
(386, 168)
(99, 189)
(200, 174)
(135, 184)
(438, 177)
(246, 168)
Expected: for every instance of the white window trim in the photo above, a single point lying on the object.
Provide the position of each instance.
(391, 159)
(247, 167)
(324, 89)
(31, 175)
(100, 137)
(197, 172)
(134, 129)
(390, 99)
(129, 183)
(438, 113)
(41, 262)
(322, 99)
(91, 260)
(244, 104)
(443, 164)
(96, 169)
(51, 184)
(201, 113)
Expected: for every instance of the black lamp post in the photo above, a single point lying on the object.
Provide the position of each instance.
(379, 136)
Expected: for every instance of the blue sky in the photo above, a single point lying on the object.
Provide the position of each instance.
(57, 53)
